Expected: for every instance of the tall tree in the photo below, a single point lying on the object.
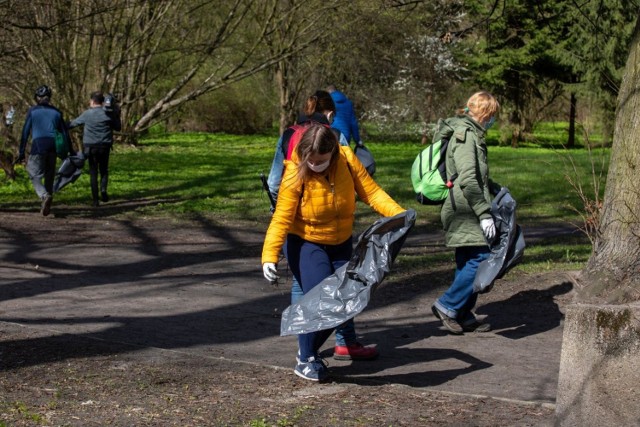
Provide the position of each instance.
(512, 56)
(594, 44)
(299, 28)
(613, 271)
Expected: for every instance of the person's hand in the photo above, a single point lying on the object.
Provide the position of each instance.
(360, 143)
(488, 228)
(269, 271)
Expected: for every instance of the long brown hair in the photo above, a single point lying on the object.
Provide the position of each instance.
(319, 102)
(317, 139)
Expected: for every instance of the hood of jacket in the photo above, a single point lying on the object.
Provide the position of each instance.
(445, 128)
(339, 97)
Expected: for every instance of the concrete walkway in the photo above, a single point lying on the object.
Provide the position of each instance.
(198, 288)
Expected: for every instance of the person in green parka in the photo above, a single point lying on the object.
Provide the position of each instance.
(466, 215)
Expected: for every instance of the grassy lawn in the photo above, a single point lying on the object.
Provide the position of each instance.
(182, 175)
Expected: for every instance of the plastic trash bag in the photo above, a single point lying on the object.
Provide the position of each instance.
(508, 247)
(69, 171)
(347, 292)
(366, 158)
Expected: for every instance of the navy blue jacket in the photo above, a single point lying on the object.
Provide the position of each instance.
(42, 122)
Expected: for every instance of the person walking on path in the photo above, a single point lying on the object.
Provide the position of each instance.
(345, 120)
(466, 217)
(42, 123)
(97, 139)
(314, 216)
(318, 108)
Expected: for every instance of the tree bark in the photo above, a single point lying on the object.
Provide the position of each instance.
(571, 141)
(612, 274)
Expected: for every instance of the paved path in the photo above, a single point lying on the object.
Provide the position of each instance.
(197, 288)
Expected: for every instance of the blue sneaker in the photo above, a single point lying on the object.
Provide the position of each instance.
(314, 369)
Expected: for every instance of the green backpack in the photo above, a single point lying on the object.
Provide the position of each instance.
(62, 148)
(429, 174)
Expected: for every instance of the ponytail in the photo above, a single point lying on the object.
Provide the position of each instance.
(319, 102)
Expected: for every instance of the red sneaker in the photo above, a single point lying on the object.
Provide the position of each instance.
(355, 351)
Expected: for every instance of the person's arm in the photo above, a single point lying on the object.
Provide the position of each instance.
(355, 130)
(284, 215)
(277, 167)
(369, 191)
(466, 160)
(78, 121)
(116, 121)
(26, 130)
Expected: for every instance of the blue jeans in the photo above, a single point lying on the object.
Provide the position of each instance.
(310, 264)
(345, 333)
(458, 301)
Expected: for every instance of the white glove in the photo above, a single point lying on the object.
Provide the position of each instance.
(269, 271)
(488, 228)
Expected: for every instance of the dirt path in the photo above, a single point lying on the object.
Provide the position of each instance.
(154, 322)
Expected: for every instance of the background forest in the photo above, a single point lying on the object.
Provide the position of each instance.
(243, 66)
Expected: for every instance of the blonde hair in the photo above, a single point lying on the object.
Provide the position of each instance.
(482, 105)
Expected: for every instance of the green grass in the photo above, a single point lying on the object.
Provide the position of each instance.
(199, 174)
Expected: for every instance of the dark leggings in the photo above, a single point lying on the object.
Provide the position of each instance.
(311, 263)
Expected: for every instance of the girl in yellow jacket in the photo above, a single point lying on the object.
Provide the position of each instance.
(314, 215)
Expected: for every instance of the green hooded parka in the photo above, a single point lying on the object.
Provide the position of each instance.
(469, 199)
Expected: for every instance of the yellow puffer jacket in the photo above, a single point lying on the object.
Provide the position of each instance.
(325, 211)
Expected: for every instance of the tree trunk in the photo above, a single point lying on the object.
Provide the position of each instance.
(613, 272)
(571, 141)
(287, 109)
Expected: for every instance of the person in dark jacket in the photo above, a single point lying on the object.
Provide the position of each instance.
(345, 120)
(97, 140)
(466, 213)
(43, 122)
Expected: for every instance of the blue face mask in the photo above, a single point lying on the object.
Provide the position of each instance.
(490, 123)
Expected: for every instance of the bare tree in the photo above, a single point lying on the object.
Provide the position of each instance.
(300, 28)
(156, 56)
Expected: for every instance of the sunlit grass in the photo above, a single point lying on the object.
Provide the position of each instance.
(181, 175)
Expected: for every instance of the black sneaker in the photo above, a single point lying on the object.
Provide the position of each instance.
(449, 323)
(105, 196)
(45, 208)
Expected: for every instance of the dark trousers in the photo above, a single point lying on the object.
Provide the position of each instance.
(311, 263)
(98, 163)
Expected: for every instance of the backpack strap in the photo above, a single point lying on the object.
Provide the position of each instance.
(293, 135)
(290, 139)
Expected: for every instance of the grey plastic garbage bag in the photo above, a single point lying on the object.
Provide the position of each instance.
(507, 249)
(69, 171)
(366, 158)
(346, 293)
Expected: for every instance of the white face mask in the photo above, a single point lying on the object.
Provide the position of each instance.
(320, 167)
